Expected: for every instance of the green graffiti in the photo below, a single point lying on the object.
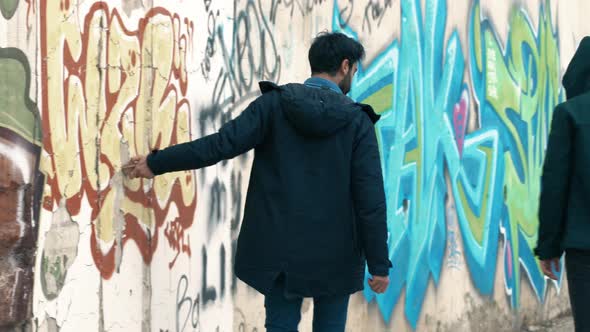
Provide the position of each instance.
(518, 86)
(53, 275)
(419, 87)
(8, 8)
(18, 112)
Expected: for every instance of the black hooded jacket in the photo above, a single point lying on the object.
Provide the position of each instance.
(315, 206)
(564, 208)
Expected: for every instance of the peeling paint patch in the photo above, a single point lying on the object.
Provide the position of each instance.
(130, 5)
(49, 325)
(61, 247)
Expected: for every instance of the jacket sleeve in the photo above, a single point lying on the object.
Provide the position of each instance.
(369, 199)
(233, 138)
(555, 186)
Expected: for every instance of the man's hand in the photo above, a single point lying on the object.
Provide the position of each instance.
(379, 284)
(548, 265)
(137, 167)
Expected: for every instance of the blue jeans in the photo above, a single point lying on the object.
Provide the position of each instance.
(577, 265)
(283, 311)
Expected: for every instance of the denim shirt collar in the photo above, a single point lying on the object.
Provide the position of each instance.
(318, 82)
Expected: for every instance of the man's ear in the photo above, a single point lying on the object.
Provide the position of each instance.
(345, 67)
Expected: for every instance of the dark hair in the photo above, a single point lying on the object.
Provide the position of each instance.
(328, 50)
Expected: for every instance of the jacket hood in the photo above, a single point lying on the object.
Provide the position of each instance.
(577, 76)
(317, 112)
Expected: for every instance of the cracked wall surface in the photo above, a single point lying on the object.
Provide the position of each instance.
(465, 88)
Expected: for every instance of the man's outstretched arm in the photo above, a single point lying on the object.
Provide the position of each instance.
(234, 138)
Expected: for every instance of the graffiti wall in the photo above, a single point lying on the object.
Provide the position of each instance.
(466, 90)
(425, 86)
(21, 182)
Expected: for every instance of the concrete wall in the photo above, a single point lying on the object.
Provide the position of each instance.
(466, 90)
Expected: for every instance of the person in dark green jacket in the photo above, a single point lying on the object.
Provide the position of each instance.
(564, 208)
(315, 212)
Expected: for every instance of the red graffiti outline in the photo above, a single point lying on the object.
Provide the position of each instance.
(133, 230)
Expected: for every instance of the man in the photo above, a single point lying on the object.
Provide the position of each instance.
(564, 208)
(316, 205)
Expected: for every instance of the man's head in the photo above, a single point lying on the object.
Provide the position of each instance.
(336, 56)
(576, 79)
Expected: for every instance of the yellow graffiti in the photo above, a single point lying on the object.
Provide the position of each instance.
(113, 93)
